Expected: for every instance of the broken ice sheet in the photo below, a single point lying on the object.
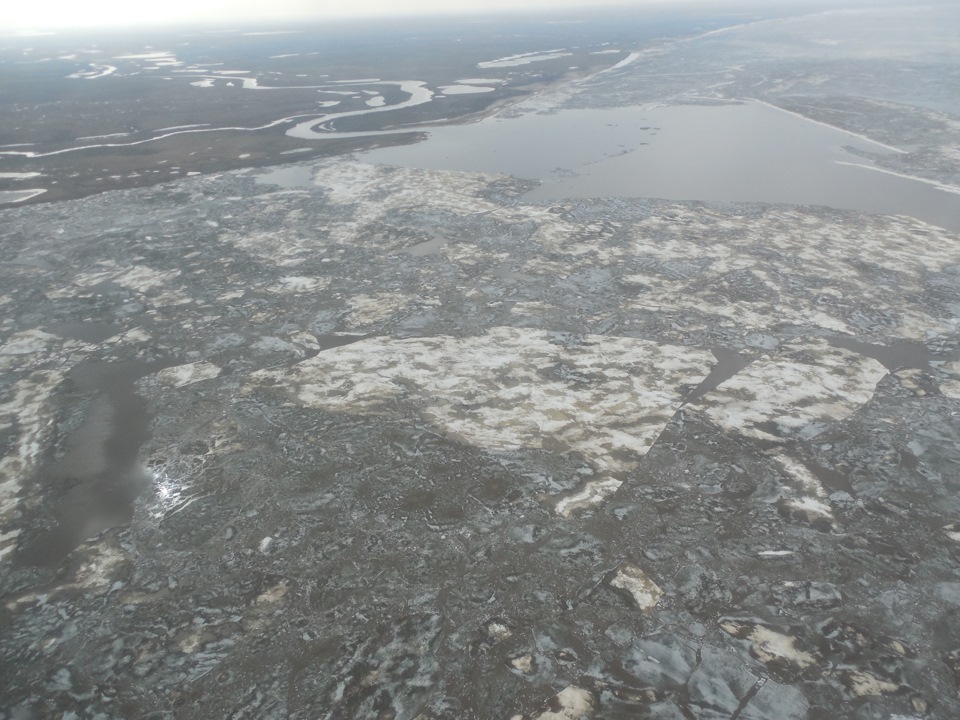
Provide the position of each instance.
(607, 398)
(158, 285)
(723, 688)
(951, 386)
(744, 278)
(795, 394)
(360, 195)
(371, 309)
(28, 414)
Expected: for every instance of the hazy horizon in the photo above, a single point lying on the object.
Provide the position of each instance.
(60, 15)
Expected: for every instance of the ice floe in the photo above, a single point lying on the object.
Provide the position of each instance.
(607, 398)
(795, 395)
(373, 308)
(156, 284)
(465, 89)
(182, 375)
(571, 703)
(763, 275)
(632, 57)
(951, 386)
(354, 185)
(95, 71)
(28, 414)
(11, 196)
(524, 59)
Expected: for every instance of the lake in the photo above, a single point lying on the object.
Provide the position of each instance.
(747, 152)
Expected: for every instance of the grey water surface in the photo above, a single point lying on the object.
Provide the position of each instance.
(746, 152)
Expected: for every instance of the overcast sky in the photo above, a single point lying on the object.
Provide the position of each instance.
(43, 14)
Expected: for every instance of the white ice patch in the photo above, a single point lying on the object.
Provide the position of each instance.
(951, 386)
(95, 71)
(370, 309)
(790, 267)
(373, 193)
(574, 704)
(607, 398)
(799, 473)
(632, 57)
(130, 337)
(479, 81)
(524, 59)
(27, 342)
(863, 684)
(811, 508)
(12, 196)
(644, 591)
(395, 188)
(138, 278)
(465, 89)
(188, 374)
(297, 284)
(100, 568)
(28, 413)
(794, 395)
(593, 492)
(767, 644)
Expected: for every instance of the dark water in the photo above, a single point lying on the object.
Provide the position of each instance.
(899, 354)
(747, 152)
(92, 332)
(729, 363)
(99, 476)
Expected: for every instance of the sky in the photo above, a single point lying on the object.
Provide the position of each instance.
(54, 14)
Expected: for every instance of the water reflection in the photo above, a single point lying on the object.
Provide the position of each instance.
(748, 152)
(100, 475)
(288, 177)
